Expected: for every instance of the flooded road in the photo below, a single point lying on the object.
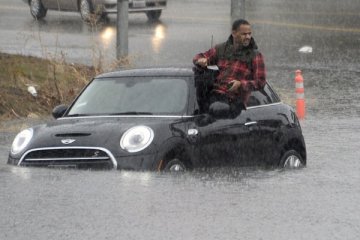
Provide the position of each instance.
(317, 202)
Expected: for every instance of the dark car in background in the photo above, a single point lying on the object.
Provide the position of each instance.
(94, 9)
(153, 119)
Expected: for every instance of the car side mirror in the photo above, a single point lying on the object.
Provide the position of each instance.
(59, 111)
(219, 110)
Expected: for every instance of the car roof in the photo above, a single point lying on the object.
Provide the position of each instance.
(143, 72)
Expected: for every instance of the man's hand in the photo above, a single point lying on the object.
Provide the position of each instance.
(203, 62)
(235, 86)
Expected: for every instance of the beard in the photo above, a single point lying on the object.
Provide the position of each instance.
(246, 43)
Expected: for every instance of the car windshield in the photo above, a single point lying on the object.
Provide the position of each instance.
(133, 96)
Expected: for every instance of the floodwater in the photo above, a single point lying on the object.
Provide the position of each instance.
(317, 202)
(320, 201)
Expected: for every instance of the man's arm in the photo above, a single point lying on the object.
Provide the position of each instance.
(259, 75)
(206, 58)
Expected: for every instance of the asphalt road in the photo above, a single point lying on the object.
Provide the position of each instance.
(318, 202)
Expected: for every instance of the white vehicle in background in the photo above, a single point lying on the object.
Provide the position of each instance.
(95, 9)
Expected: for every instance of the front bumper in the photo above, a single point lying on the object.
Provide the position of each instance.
(83, 158)
(110, 6)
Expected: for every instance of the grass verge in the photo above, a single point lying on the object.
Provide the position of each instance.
(55, 82)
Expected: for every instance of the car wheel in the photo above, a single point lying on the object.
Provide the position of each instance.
(37, 9)
(87, 12)
(291, 159)
(153, 15)
(175, 165)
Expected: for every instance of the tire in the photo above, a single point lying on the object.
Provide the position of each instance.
(175, 165)
(37, 9)
(291, 160)
(87, 12)
(153, 15)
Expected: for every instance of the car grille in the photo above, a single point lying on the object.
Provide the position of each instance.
(69, 158)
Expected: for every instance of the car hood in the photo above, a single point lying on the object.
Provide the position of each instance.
(103, 132)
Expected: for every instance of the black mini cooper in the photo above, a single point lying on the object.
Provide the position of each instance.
(156, 119)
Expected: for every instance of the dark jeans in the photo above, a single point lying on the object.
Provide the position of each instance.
(235, 105)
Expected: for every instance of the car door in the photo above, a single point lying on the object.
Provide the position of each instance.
(265, 126)
(223, 142)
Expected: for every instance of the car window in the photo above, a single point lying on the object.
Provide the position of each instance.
(139, 95)
(262, 97)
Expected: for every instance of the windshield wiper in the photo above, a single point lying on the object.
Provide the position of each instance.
(132, 113)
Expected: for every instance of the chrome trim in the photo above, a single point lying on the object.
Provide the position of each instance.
(250, 123)
(133, 129)
(154, 116)
(64, 159)
(266, 105)
(112, 158)
(128, 116)
(67, 141)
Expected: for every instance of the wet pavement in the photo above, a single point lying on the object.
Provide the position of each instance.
(317, 202)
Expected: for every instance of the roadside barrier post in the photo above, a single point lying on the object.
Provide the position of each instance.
(300, 96)
(122, 29)
(237, 9)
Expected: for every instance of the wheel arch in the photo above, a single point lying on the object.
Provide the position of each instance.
(297, 145)
(174, 148)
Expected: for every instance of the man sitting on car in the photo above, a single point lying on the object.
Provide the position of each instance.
(241, 67)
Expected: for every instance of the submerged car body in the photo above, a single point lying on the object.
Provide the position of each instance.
(93, 9)
(152, 119)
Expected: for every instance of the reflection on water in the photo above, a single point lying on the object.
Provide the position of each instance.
(107, 35)
(158, 37)
(21, 172)
(99, 40)
(142, 178)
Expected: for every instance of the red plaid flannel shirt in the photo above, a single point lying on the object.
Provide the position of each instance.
(237, 70)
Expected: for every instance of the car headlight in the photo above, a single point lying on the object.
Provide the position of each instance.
(137, 138)
(21, 140)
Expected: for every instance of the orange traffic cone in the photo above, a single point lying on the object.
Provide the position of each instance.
(300, 96)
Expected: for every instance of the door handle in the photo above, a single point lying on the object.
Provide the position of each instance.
(250, 123)
(192, 132)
